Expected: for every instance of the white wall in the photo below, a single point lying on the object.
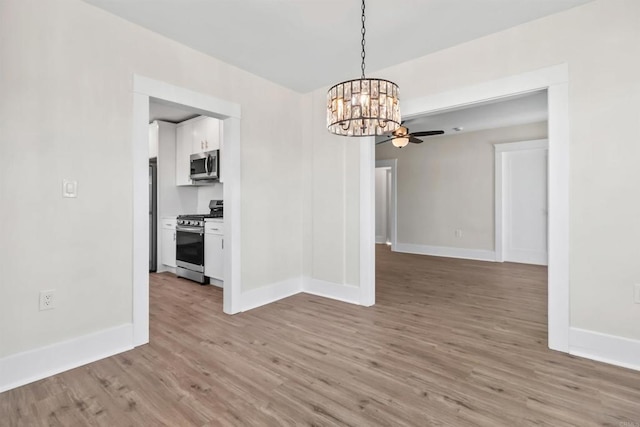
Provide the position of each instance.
(206, 193)
(446, 184)
(66, 112)
(332, 180)
(599, 42)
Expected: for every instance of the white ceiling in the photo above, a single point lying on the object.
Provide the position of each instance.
(511, 111)
(159, 110)
(309, 44)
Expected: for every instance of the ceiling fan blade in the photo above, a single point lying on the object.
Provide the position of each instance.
(415, 140)
(386, 140)
(427, 133)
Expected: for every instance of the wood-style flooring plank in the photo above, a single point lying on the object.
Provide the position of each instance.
(448, 343)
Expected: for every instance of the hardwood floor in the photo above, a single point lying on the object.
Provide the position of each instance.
(449, 343)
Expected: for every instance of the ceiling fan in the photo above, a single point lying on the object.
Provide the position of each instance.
(401, 136)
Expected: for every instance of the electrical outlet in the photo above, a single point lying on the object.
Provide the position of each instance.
(458, 233)
(636, 293)
(47, 300)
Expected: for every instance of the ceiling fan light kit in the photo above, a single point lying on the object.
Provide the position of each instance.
(401, 136)
(364, 106)
(400, 142)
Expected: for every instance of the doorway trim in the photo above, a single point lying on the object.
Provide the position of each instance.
(555, 80)
(392, 164)
(499, 166)
(145, 88)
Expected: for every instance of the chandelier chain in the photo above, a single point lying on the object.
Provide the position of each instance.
(363, 31)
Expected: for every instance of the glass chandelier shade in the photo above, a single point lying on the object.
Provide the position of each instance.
(363, 107)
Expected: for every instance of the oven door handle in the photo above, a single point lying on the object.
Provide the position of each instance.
(195, 230)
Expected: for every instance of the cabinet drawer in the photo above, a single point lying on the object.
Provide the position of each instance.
(214, 227)
(169, 223)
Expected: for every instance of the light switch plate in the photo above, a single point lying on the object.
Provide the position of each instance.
(69, 188)
(636, 293)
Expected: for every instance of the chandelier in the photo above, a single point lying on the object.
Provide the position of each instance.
(364, 106)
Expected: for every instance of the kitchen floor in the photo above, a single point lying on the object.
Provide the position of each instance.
(449, 342)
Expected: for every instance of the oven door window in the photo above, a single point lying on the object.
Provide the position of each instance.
(190, 247)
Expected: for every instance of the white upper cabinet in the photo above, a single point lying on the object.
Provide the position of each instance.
(206, 135)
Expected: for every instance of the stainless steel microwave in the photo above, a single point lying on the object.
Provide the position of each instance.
(204, 166)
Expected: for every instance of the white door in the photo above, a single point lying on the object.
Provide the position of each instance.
(382, 205)
(525, 206)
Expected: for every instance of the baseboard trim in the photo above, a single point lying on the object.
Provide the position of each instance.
(270, 293)
(23, 368)
(444, 251)
(610, 349)
(321, 288)
(526, 257)
(381, 239)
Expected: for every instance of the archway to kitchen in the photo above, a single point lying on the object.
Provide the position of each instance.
(144, 90)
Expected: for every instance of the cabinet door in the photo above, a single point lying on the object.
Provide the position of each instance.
(214, 256)
(211, 134)
(206, 135)
(198, 136)
(168, 247)
(184, 133)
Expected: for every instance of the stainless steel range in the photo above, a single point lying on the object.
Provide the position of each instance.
(190, 243)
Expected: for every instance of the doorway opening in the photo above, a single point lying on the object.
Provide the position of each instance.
(554, 80)
(147, 91)
(383, 223)
(386, 202)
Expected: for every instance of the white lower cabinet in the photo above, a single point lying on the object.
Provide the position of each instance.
(214, 249)
(168, 242)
